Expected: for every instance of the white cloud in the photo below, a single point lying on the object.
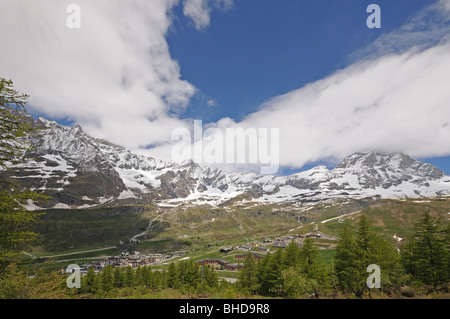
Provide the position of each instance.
(425, 29)
(445, 4)
(211, 103)
(200, 10)
(114, 76)
(394, 103)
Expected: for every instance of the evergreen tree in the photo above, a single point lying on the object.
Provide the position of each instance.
(308, 259)
(172, 276)
(89, 282)
(148, 276)
(291, 255)
(15, 220)
(128, 279)
(106, 278)
(365, 234)
(157, 280)
(181, 270)
(348, 266)
(139, 277)
(262, 274)
(425, 256)
(447, 246)
(13, 128)
(273, 273)
(118, 277)
(193, 274)
(248, 278)
(210, 277)
(377, 250)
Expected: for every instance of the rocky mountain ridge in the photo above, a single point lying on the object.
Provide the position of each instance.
(79, 171)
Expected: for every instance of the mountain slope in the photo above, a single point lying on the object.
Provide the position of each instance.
(79, 171)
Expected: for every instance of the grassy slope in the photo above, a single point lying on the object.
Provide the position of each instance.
(393, 217)
(203, 230)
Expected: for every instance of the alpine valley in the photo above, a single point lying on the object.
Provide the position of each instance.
(102, 194)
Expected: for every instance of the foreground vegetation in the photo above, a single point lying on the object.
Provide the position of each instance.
(420, 271)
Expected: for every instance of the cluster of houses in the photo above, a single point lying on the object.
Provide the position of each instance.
(217, 262)
(283, 242)
(275, 243)
(224, 264)
(245, 247)
(138, 260)
(244, 256)
(134, 261)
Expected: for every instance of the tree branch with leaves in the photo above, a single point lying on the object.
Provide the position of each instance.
(15, 219)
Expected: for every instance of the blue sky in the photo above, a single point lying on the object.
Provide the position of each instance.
(263, 48)
(136, 71)
(260, 49)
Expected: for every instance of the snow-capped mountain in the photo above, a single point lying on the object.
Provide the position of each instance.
(77, 171)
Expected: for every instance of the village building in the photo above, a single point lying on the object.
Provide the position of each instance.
(220, 262)
(244, 256)
(179, 253)
(245, 247)
(279, 244)
(226, 249)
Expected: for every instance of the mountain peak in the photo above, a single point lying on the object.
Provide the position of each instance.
(77, 170)
(386, 170)
(372, 159)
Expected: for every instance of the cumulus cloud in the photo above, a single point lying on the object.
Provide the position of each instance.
(200, 10)
(396, 103)
(114, 76)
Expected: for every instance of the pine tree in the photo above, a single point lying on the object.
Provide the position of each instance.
(157, 280)
(365, 234)
(172, 276)
(248, 279)
(12, 126)
(148, 276)
(89, 283)
(128, 280)
(15, 220)
(211, 278)
(193, 274)
(273, 273)
(106, 278)
(181, 270)
(308, 259)
(348, 266)
(425, 256)
(262, 274)
(118, 277)
(291, 255)
(377, 250)
(139, 277)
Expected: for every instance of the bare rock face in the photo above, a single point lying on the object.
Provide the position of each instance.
(377, 170)
(79, 171)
